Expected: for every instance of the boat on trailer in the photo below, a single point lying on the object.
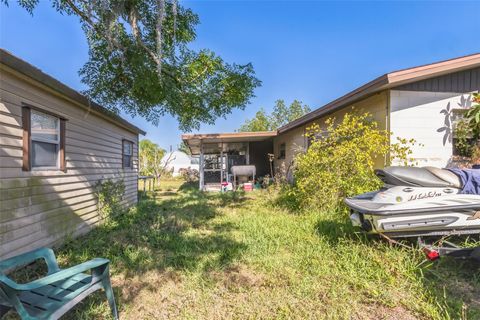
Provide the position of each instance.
(420, 202)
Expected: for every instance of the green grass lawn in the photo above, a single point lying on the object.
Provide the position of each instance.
(189, 255)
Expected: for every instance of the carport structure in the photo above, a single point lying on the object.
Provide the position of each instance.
(218, 152)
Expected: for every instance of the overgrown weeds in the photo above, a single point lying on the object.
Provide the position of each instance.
(194, 255)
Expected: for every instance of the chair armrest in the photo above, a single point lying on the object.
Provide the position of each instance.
(57, 276)
(25, 258)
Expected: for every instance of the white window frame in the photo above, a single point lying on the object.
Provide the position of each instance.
(32, 139)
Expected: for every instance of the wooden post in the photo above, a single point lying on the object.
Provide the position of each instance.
(221, 164)
(201, 182)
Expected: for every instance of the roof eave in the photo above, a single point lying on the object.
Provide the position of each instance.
(32, 72)
(227, 135)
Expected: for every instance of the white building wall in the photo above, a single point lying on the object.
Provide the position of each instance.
(426, 117)
(177, 160)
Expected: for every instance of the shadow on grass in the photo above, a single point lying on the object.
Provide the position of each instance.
(334, 229)
(167, 235)
(456, 284)
(453, 283)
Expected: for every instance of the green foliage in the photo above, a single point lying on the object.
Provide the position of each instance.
(473, 115)
(401, 152)
(253, 261)
(280, 116)
(110, 195)
(467, 130)
(463, 138)
(140, 61)
(149, 157)
(184, 148)
(341, 160)
(189, 175)
(260, 122)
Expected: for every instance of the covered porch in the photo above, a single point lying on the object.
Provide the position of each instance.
(219, 152)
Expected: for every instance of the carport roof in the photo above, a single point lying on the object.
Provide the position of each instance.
(193, 141)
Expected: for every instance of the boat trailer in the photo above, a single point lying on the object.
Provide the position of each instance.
(443, 248)
(448, 249)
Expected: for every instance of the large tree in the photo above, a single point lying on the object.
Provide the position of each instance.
(280, 116)
(139, 61)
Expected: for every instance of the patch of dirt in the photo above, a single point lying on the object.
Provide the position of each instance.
(132, 286)
(237, 277)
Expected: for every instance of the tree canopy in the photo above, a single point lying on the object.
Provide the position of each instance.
(280, 116)
(140, 62)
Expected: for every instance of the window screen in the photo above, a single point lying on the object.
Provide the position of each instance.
(45, 139)
(127, 153)
(44, 154)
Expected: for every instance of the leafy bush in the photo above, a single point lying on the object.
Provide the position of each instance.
(189, 174)
(463, 138)
(467, 130)
(110, 195)
(473, 115)
(340, 161)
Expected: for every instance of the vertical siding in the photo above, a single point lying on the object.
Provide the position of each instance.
(460, 82)
(40, 208)
(296, 141)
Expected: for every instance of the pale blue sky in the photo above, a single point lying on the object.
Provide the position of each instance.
(313, 51)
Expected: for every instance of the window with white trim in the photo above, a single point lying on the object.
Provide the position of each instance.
(45, 140)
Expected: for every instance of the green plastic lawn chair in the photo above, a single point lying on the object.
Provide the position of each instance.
(56, 293)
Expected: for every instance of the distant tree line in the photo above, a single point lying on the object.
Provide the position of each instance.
(280, 116)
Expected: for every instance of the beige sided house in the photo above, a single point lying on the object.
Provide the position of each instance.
(421, 103)
(55, 145)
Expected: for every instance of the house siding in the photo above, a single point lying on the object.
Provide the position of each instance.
(296, 142)
(460, 82)
(41, 208)
(427, 118)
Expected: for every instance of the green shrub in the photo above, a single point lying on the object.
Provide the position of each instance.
(110, 195)
(340, 162)
(463, 138)
(467, 130)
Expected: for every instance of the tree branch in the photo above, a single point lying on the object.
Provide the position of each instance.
(158, 31)
(136, 32)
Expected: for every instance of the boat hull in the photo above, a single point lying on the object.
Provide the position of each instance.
(439, 215)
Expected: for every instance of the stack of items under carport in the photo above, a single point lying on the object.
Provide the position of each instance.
(244, 173)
